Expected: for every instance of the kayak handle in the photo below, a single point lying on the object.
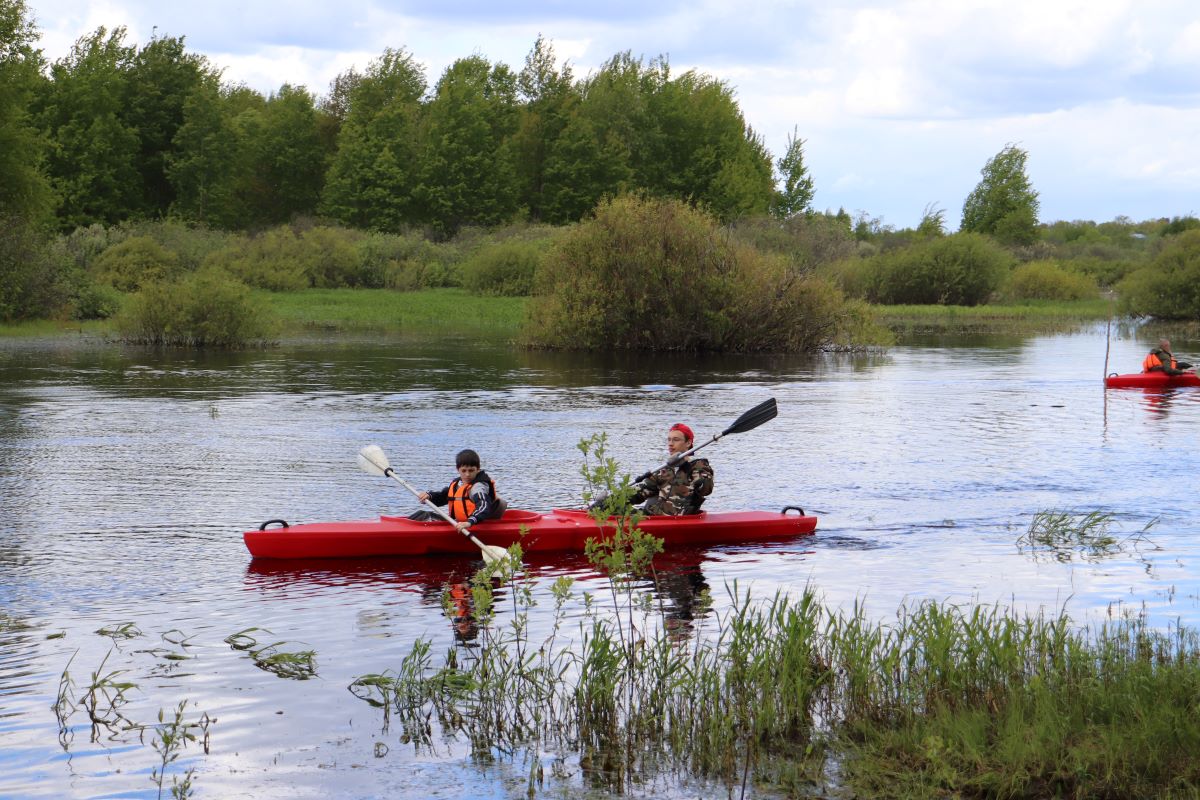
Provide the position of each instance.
(787, 509)
(282, 524)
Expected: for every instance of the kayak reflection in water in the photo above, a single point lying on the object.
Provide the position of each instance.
(679, 487)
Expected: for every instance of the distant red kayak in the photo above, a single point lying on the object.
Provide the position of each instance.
(560, 529)
(1151, 380)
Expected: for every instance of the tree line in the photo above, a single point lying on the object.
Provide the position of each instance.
(116, 131)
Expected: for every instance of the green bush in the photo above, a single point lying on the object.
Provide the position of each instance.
(660, 275)
(1104, 271)
(1169, 288)
(506, 269)
(95, 301)
(961, 269)
(209, 308)
(190, 243)
(1179, 225)
(805, 241)
(851, 275)
(32, 285)
(135, 262)
(85, 245)
(332, 258)
(1047, 280)
(284, 259)
(274, 260)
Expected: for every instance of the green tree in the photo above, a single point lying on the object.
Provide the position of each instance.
(797, 194)
(468, 176)
(287, 157)
(933, 222)
(93, 154)
(696, 146)
(201, 163)
(549, 99)
(24, 190)
(372, 178)
(582, 166)
(1004, 203)
(160, 79)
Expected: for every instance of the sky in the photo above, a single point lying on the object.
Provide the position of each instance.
(900, 104)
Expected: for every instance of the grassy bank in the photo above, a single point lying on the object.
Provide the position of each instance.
(40, 328)
(433, 312)
(1031, 317)
(429, 311)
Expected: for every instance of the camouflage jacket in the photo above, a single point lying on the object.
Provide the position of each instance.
(673, 491)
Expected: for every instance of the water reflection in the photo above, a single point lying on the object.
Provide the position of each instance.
(127, 475)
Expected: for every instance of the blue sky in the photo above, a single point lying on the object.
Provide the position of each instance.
(901, 103)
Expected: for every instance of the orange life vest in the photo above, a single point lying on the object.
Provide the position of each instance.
(1153, 362)
(460, 504)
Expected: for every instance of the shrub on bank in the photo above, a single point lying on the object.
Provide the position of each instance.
(962, 269)
(209, 308)
(134, 263)
(1169, 288)
(653, 274)
(1047, 280)
(506, 269)
(283, 260)
(31, 284)
(805, 241)
(191, 244)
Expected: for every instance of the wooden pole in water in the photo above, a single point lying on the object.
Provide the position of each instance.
(1107, 339)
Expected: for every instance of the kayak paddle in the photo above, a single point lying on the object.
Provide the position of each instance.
(763, 412)
(371, 459)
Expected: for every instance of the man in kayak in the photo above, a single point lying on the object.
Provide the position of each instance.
(681, 486)
(471, 497)
(1162, 360)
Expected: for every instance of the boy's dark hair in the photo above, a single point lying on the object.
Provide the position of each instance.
(466, 458)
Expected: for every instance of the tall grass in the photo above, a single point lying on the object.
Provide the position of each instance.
(941, 701)
(1029, 317)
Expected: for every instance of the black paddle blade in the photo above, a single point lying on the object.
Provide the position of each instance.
(763, 412)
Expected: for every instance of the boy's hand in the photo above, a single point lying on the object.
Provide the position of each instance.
(462, 526)
(423, 496)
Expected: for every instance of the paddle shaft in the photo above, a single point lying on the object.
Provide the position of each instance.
(391, 473)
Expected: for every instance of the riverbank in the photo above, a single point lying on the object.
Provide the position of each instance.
(438, 312)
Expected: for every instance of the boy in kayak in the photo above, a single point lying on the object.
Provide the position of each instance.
(681, 486)
(1162, 360)
(470, 498)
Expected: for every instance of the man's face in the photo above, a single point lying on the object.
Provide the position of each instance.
(676, 443)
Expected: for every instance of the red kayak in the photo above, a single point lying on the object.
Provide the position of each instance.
(560, 529)
(1151, 380)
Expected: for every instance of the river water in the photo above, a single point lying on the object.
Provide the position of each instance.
(127, 476)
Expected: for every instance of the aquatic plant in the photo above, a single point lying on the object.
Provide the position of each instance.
(1065, 534)
(297, 665)
(171, 736)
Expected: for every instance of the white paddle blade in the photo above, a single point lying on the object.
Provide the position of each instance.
(492, 553)
(372, 460)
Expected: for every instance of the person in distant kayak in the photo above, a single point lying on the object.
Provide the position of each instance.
(470, 498)
(681, 486)
(1162, 360)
